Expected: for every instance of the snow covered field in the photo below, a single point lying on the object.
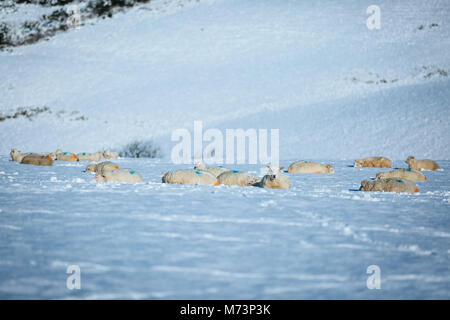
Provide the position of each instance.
(336, 90)
(172, 241)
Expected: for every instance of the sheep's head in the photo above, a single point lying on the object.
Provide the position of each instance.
(366, 185)
(380, 175)
(330, 168)
(273, 172)
(200, 166)
(51, 156)
(410, 159)
(107, 152)
(59, 151)
(90, 168)
(358, 163)
(15, 152)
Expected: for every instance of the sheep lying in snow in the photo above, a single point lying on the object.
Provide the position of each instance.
(374, 162)
(421, 164)
(119, 175)
(408, 174)
(274, 179)
(101, 167)
(108, 154)
(234, 177)
(66, 156)
(17, 156)
(190, 177)
(217, 171)
(310, 167)
(90, 156)
(38, 160)
(389, 185)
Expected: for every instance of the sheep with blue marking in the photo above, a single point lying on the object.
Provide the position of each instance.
(408, 174)
(237, 178)
(310, 167)
(189, 176)
(217, 171)
(275, 179)
(119, 175)
(85, 156)
(66, 156)
(389, 185)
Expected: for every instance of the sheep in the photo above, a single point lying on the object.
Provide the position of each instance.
(90, 156)
(389, 185)
(421, 164)
(274, 179)
(108, 154)
(217, 171)
(234, 177)
(17, 156)
(38, 160)
(310, 167)
(101, 167)
(66, 156)
(373, 162)
(408, 174)
(119, 175)
(189, 176)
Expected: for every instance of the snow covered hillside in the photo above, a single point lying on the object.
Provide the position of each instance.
(334, 88)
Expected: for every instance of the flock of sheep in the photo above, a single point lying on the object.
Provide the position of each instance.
(398, 180)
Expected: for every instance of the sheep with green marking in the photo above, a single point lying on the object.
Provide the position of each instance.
(119, 175)
(66, 156)
(189, 176)
(389, 185)
(84, 156)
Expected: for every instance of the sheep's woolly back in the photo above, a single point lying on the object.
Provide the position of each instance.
(189, 176)
(310, 167)
(102, 167)
(217, 171)
(389, 185)
(408, 174)
(237, 178)
(84, 156)
(373, 162)
(66, 156)
(38, 160)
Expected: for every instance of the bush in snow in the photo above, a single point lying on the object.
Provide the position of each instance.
(141, 149)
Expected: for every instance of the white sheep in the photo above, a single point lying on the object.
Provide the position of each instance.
(189, 176)
(101, 167)
(422, 164)
(108, 154)
(373, 162)
(275, 179)
(217, 171)
(238, 178)
(408, 174)
(17, 156)
(310, 167)
(389, 185)
(84, 156)
(119, 175)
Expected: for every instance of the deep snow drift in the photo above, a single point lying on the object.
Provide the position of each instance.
(177, 241)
